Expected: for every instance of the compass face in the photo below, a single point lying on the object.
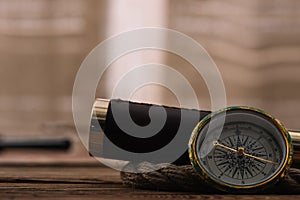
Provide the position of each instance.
(249, 150)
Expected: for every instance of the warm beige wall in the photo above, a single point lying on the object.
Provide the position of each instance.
(255, 43)
(256, 46)
(42, 44)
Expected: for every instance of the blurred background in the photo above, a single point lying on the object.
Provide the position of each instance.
(255, 44)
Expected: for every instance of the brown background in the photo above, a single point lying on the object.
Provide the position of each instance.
(255, 44)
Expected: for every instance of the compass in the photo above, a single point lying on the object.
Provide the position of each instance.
(240, 149)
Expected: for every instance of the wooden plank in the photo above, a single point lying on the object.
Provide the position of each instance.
(79, 182)
(59, 174)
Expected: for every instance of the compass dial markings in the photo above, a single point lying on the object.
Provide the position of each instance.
(248, 167)
(248, 151)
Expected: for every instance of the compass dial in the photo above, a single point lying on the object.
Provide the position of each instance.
(240, 148)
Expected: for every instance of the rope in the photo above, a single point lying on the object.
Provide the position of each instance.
(171, 177)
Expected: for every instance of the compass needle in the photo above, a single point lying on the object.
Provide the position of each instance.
(225, 147)
(243, 153)
(259, 158)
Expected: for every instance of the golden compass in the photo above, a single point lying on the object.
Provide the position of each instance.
(240, 149)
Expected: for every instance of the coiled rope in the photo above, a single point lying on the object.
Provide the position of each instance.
(171, 177)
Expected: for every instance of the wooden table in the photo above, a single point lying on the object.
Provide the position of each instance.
(75, 175)
(90, 181)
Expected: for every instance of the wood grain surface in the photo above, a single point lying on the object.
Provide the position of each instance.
(86, 182)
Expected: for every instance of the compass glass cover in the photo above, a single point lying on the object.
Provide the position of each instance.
(248, 150)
